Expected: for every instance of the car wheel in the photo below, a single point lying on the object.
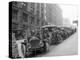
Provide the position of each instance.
(28, 53)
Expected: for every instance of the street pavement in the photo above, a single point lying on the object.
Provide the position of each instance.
(67, 47)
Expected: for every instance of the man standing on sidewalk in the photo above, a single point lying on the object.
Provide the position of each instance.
(18, 42)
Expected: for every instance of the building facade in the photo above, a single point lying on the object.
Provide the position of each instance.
(27, 15)
(54, 14)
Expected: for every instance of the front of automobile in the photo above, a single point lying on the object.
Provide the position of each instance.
(35, 44)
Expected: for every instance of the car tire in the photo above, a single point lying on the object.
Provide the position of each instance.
(28, 54)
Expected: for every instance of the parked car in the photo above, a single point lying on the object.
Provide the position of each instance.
(53, 33)
(35, 45)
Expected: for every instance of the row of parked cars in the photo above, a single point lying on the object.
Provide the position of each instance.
(59, 34)
(40, 40)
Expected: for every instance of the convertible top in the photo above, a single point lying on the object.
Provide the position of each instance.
(48, 26)
(33, 38)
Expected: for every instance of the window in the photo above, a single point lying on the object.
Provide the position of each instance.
(38, 8)
(25, 17)
(14, 3)
(24, 6)
(32, 7)
(32, 20)
(38, 21)
(42, 23)
(14, 26)
(25, 26)
(14, 14)
(42, 10)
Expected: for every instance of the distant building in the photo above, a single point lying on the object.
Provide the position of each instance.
(54, 14)
(66, 22)
(27, 15)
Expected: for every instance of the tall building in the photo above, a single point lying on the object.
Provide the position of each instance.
(28, 15)
(54, 14)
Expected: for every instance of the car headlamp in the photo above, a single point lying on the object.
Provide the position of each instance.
(41, 44)
(28, 45)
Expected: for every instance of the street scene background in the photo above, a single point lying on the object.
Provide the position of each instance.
(27, 20)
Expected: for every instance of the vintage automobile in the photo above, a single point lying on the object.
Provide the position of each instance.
(56, 37)
(64, 33)
(68, 31)
(54, 34)
(71, 30)
(35, 45)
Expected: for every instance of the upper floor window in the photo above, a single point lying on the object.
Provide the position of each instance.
(25, 6)
(14, 25)
(14, 3)
(32, 20)
(32, 7)
(25, 17)
(38, 9)
(14, 14)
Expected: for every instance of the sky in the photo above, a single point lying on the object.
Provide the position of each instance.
(69, 11)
